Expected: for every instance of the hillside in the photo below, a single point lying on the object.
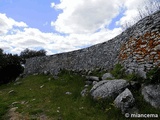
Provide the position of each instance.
(44, 97)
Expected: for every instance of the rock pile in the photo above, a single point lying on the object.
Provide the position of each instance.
(120, 91)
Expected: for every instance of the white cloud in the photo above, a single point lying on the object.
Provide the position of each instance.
(52, 4)
(8, 23)
(53, 43)
(83, 16)
(133, 7)
(84, 21)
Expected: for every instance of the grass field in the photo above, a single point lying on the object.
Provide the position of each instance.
(41, 97)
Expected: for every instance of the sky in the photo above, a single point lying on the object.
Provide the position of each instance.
(63, 25)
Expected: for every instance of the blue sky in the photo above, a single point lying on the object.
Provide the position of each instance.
(62, 25)
(35, 13)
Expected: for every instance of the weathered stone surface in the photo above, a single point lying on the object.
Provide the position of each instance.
(94, 82)
(108, 88)
(141, 72)
(107, 76)
(132, 48)
(84, 92)
(151, 94)
(92, 78)
(125, 101)
(88, 82)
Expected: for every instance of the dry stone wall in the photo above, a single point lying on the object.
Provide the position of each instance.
(137, 48)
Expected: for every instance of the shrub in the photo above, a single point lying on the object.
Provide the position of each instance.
(134, 77)
(153, 76)
(10, 67)
(118, 71)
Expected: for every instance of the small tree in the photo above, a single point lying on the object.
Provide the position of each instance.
(10, 67)
(27, 53)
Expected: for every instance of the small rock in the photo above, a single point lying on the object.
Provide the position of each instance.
(11, 92)
(17, 79)
(13, 109)
(84, 92)
(18, 83)
(89, 73)
(33, 99)
(86, 86)
(81, 108)
(15, 103)
(23, 102)
(46, 73)
(49, 79)
(68, 93)
(41, 86)
(92, 78)
(107, 76)
(88, 82)
(141, 73)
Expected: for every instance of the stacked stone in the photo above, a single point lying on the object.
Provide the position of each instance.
(137, 48)
(141, 54)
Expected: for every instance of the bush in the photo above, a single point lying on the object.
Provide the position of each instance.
(27, 53)
(153, 76)
(134, 77)
(118, 71)
(10, 67)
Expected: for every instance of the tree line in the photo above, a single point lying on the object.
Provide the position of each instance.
(11, 66)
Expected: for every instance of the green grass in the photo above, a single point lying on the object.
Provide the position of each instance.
(37, 96)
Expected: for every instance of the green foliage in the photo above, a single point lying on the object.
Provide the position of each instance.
(153, 76)
(98, 72)
(118, 71)
(56, 104)
(10, 67)
(27, 53)
(134, 77)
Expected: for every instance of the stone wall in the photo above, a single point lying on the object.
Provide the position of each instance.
(142, 51)
(137, 48)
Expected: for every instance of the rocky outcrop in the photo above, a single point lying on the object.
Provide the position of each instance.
(137, 49)
(125, 101)
(151, 94)
(108, 88)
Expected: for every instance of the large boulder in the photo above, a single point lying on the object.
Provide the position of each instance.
(108, 88)
(107, 76)
(151, 94)
(125, 101)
